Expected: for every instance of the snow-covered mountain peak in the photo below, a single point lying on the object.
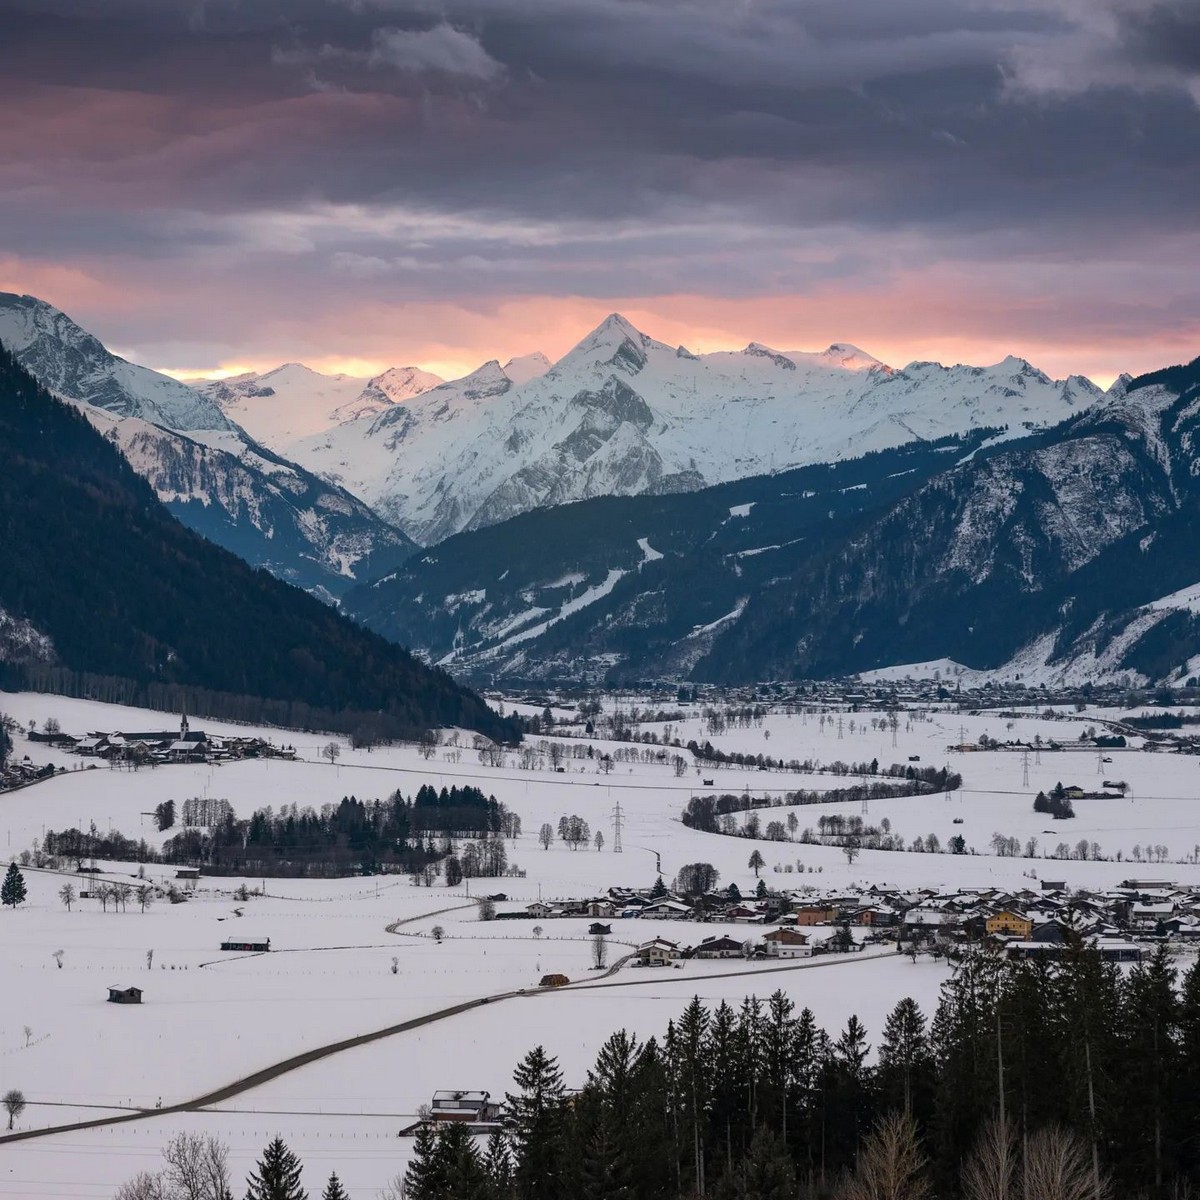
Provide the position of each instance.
(1020, 368)
(615, 342)
(296, 373)
(403, 383)
(758, 350)
(843, 354)
(1120, 385)
(525, 367)
(76, 365)
(482, 383)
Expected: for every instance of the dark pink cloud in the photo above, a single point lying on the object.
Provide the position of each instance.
(390, 181)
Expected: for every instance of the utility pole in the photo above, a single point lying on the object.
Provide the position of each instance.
(618, 821)
(1025, 769)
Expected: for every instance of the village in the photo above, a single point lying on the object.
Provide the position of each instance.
(1121, 923)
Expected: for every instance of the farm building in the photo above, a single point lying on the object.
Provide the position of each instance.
(254, 945)
(472, 1108)
(129, 995)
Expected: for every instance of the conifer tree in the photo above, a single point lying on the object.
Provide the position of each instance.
(277, 1176)
(426, 1177)
(498, 1160)
(466, 1176)
(537, 1117)
(766, 1172)
(12, 891)
(334, 1190)
(1148, 1069)
(905, 1072)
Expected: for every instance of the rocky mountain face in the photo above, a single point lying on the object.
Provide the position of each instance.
(631, 586)
(70, 362)
(1066, 555)
(205, 468)
(624, 414)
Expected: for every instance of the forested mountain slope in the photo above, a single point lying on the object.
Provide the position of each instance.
(631, 586)
(1068, 555)
(208, 471)
(120, 600)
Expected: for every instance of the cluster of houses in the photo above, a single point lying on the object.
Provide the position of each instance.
(150, 748)
(18, 772)
(1035, 920)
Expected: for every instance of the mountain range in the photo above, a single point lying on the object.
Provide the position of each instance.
(104, 594)
(1065, 556)
(624, 414)
(208, 471)
(635, 509)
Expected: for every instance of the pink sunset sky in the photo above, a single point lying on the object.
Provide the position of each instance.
(359, 184)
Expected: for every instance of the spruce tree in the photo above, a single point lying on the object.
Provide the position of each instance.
(498, 1160)
(12, 891)
(278, 1175)
(905, 1073)
(334, 1190)
(766, 1172)
(466, 1176)
(426, 1176)
(537, 1124)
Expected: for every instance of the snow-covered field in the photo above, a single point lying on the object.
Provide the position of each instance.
(209, 1019)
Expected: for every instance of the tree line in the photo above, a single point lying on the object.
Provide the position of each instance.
(352, 837)
(1033, 1081)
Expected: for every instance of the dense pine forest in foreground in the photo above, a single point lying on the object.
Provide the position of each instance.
(1032, 1081)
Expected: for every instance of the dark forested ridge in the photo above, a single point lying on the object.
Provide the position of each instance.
(140, 609)
(641, 585)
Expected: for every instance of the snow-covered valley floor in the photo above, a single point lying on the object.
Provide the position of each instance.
(210, 1019)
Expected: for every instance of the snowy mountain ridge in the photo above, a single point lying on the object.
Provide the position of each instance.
(208, 471)
(292, 401)
(71, 362)
(1064, 556)
(625, 414)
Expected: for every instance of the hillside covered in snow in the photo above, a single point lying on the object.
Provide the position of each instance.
(205, 468)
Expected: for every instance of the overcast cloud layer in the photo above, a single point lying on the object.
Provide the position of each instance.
(227, 182)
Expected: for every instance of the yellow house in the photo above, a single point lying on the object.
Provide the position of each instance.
(1009, 924)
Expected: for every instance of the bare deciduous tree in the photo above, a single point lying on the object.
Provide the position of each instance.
(1058, 1166)
(332, 751)
(990, 1172)
(66, 894)
(890, 1164)
(145, 1185)
(197, 1168)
